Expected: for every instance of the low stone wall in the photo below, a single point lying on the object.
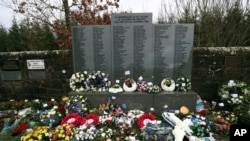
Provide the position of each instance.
(212, 66)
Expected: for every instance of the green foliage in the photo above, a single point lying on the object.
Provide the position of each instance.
(16, 40)
(27, 36)
(3, 39)
(217, 23)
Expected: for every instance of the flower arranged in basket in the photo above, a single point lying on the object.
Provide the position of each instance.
(168, 85)
(98, 81)
(116, 88)
(182, 84)
(234, 92)
(77, 82)
(129, 85)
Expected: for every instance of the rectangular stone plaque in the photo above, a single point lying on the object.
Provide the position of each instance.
(183, 50)
(10, 65)
(91, 48)
(10, 70)
(163, 51)
(11, 75)
(173, 44)
(131, 36)
(36, 75)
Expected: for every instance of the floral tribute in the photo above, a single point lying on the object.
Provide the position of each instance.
(38, 133)
(221, 121)
(77, 82)
(111, 121)
(76, 104)
(234, 92)
(168, 84)
(141, 86)
(182, 84)
(129, 85)
(151, 88)
(199, 125)
(116, 88)
(98, 81)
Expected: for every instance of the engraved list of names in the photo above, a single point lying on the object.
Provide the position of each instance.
(184, 34)
(92, 48)
(163, 52)
(132, 45)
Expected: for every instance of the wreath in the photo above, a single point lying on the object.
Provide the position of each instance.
(77, 81)
(168, 85)
(182, 84)
(116, 88)
(129, 85)
(234, 92)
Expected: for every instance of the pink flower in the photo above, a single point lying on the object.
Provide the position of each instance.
(68, 132)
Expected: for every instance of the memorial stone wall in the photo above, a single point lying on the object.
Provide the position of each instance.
(132, 46)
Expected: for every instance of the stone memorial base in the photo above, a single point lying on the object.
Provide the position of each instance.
(145, 101)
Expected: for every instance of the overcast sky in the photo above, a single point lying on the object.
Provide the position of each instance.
(6, 15)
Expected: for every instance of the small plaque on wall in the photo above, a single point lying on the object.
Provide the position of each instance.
(10, 70)
(37, 75)
(37, 64)
(10, 65)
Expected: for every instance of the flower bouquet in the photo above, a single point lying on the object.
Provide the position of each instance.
(50, 117)
(85, 133)
(62, 132)
(153, 88)
(182, 84)
(168, 84)
(98, 81)
(221, 121)
(77, 104)
(110, 107)
(38, 133)
(104, 134)
(141, 86)
(77, 82)
(234, 92)
(129, 85)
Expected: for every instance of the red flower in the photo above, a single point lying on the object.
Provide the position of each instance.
(72, 119)
(91, 119)
(202, 113)
(144, 119)
(20, 129)
(61, 107)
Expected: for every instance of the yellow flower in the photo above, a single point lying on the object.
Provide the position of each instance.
(65, 98)
(40, 137)
(67, 138)
(61, 131)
